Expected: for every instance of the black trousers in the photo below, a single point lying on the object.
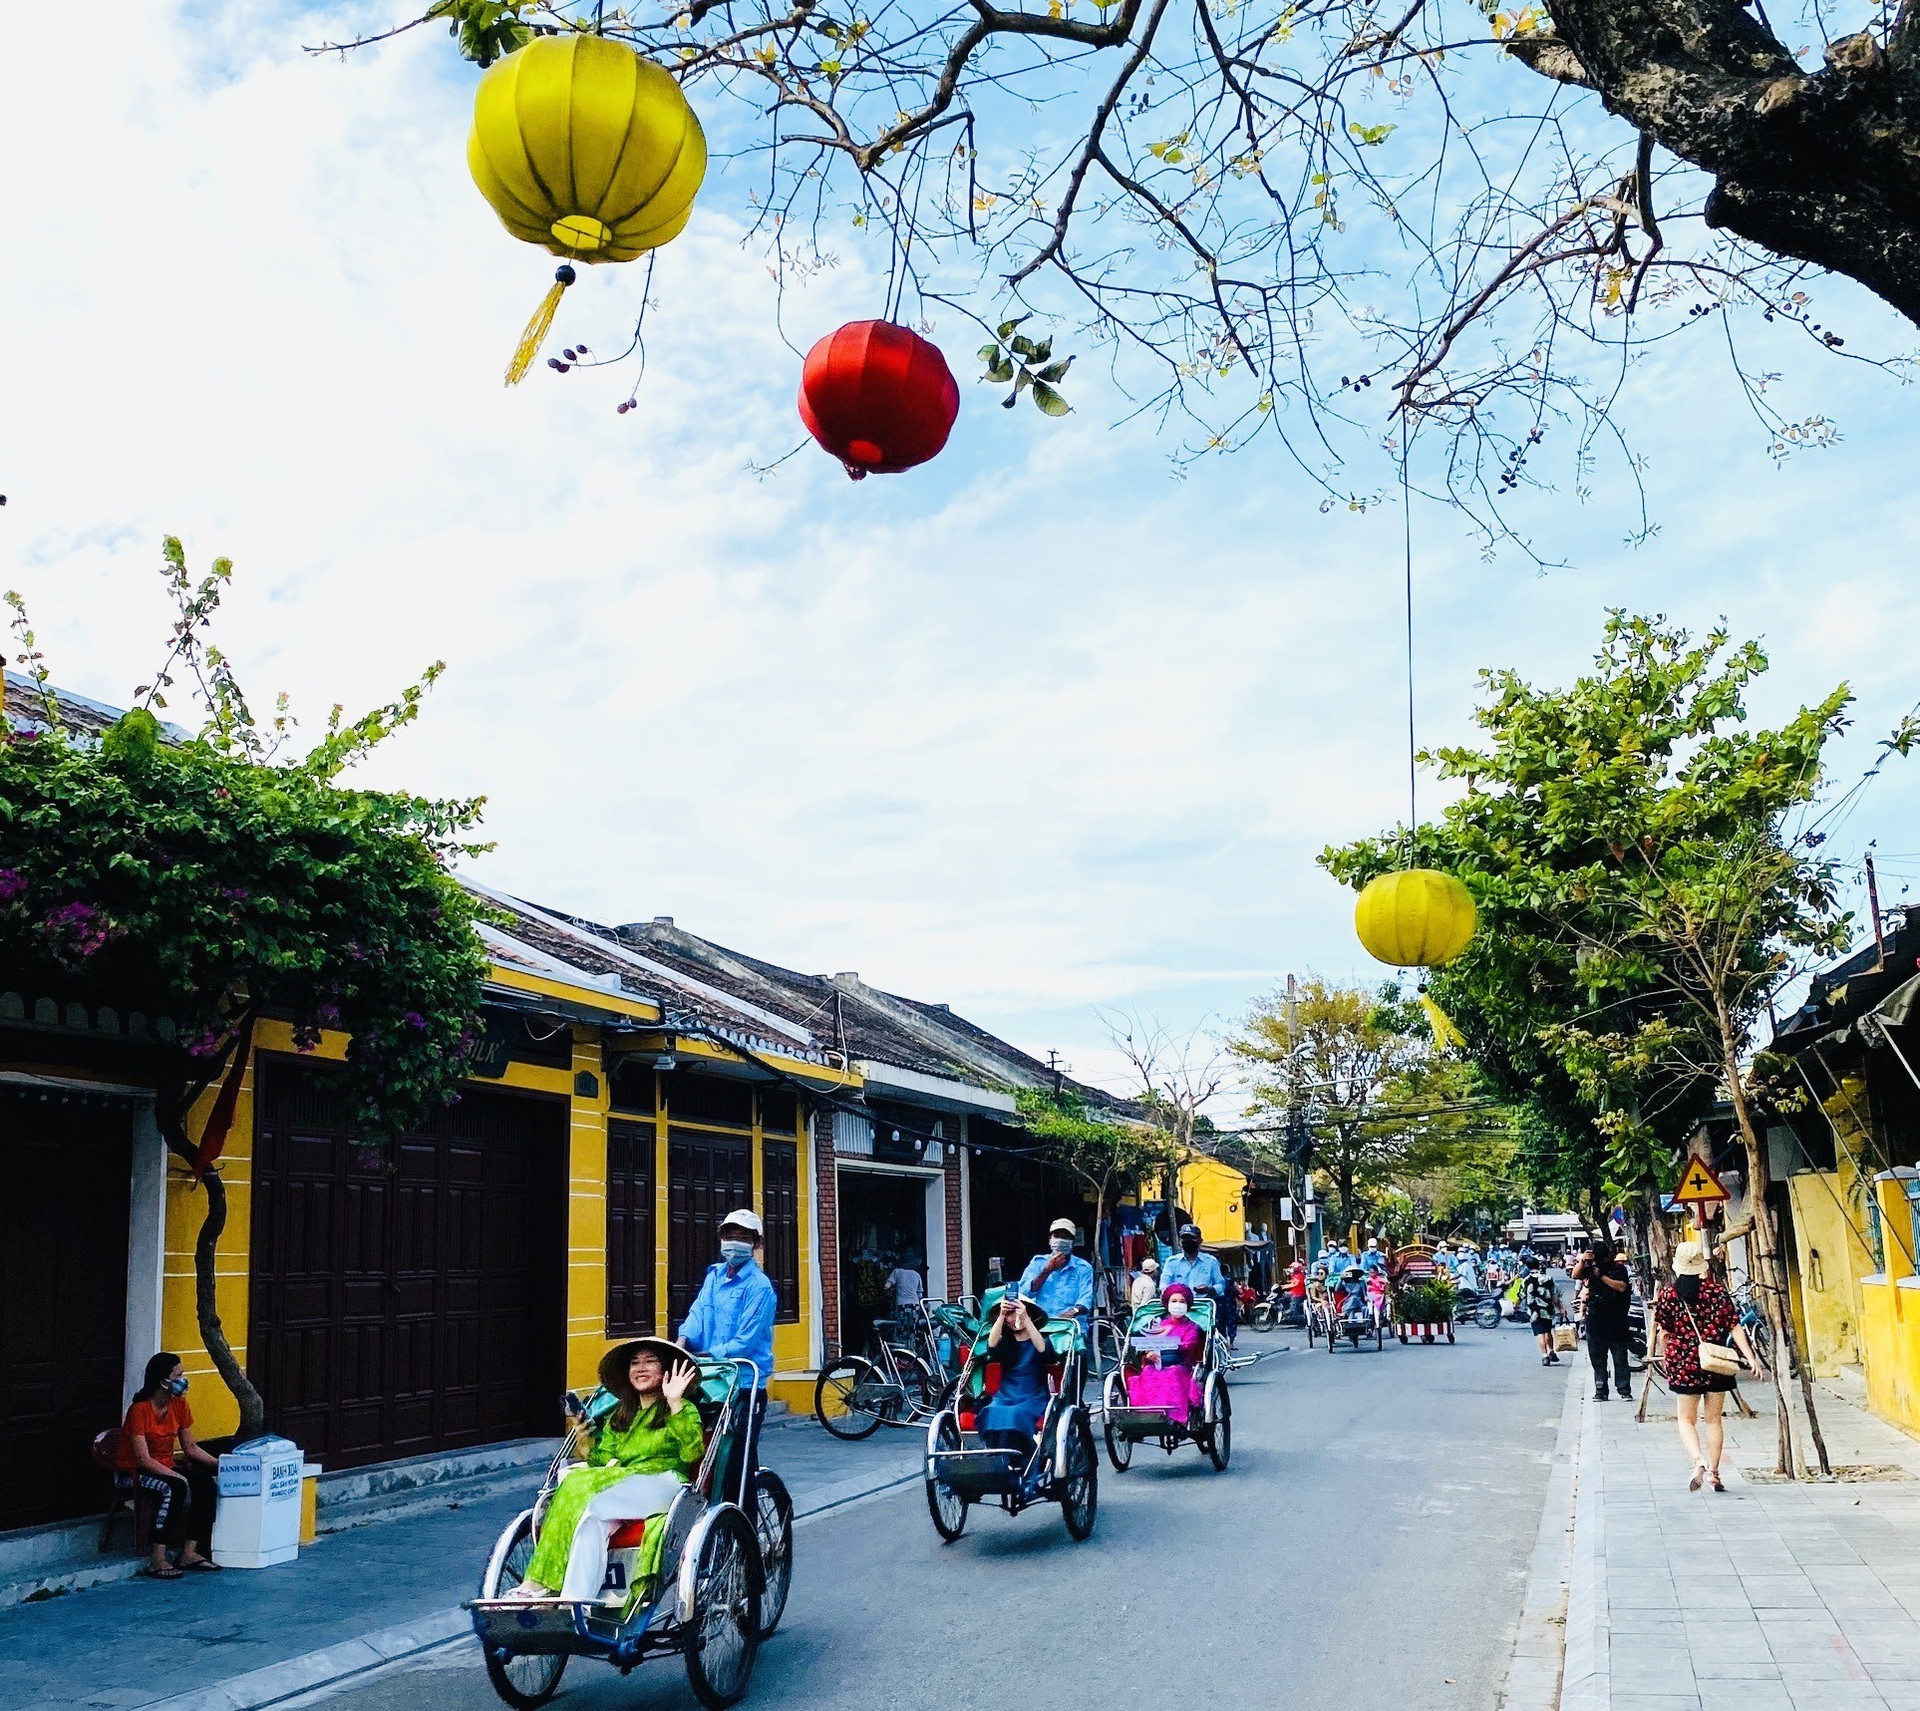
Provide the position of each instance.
(187, 1500)
(1602, 1341)
(740, 1475)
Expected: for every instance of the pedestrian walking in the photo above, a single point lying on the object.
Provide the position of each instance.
(1146, 1287)
(1540, 1296)
(1609, 1297)
(1230, 1313)
(1692, 1322)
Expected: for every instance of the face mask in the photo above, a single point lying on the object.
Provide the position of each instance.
(1190, 1249)
(1176, 1309)
(178, 1386)
(736, 1253)
(1061, 1244)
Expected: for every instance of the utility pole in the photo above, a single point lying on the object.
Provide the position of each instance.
(1058, 1068)
(1873, 903)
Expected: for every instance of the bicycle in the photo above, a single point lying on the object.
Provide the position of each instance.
(1753, 1320)
(900, 1381)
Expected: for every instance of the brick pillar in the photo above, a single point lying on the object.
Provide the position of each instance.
(827, 1194)
(956, 1224)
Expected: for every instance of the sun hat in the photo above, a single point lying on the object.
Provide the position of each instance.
(1149, 1264)
(1035, 1311)
(1063, 1227)
(614, 1363)
(1689, 1260)
(747, 1219)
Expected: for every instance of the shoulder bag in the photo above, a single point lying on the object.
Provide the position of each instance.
(1717, 1358)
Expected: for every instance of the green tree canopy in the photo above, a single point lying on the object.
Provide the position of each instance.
(215, 880)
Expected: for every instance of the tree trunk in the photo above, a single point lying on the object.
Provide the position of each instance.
(212, 1333)
(171, 1108)
(1818, 165)
(1768, 1274)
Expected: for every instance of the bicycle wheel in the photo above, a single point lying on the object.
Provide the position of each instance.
(844, 1398)
(522, 1680)
(1080, 1490)
(722, 1635)
(1119, 1448)
(919, 1391)
(1219, 1439)
(947, 1507)
(1760, 1334)
(1261, 1318)
(773, 1524)
(1487, 1315)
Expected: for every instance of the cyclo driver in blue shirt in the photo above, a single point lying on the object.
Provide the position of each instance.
(1190, 1266)
(732, 1319)
(1059, 1279)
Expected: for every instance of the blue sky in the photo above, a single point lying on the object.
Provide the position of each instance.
(1040, 728)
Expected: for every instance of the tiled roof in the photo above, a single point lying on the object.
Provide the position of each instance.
(79, 714)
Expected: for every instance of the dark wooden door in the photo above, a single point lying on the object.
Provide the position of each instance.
(629, 1229)
(406, 1299)
(780, 1208)
(63, 1301)
(708, 1176)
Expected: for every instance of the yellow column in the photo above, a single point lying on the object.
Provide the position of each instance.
(586, 1213)
(1896, 1223)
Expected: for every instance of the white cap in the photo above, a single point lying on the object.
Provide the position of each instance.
(1149, 1264)
(747, 1219)
(1063, 1227)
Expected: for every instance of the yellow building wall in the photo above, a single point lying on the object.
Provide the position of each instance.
(1216, 1195)
(1890, 1319)
(1831, 1258)
(215, 1412)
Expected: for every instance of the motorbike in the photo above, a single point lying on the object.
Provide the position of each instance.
(1277, 1308)
(1482, 1310)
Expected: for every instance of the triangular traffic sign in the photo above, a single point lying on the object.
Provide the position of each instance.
(1698, 1184)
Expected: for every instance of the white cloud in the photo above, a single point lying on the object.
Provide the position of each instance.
(1031, 729)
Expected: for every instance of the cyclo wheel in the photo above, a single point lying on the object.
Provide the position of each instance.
(842, 1399)
(947, 1507)
(1219, 1439)
(722, 1633)
(773, 1523)
(1080, 1490)
(523, 1680)
(1119, 1447)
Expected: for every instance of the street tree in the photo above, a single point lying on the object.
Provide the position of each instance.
(1104, 1154)
(1320, 220)
(226, 878)
(1173, 1078)
(1645, 848)
(1350, 1074)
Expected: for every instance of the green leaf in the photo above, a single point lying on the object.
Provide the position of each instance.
(987, 353)
(1055, 370)
(1050, 402)
(1000, 369)
(1024, 346)
(1008, 328)
(1043, 351)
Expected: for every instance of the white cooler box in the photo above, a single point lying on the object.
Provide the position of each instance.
(258, 1522)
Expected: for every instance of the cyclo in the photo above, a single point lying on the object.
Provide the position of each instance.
(1062, 1467)
(1138, 1411)
(719, 1588)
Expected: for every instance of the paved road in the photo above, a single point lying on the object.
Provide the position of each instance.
(1368, 1547)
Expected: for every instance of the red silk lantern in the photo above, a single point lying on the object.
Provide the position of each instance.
(879, 397)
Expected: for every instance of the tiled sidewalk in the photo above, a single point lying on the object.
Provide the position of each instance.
(1772, 1597)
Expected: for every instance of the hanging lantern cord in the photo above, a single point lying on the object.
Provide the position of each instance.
(537, 328)
(1406, 509)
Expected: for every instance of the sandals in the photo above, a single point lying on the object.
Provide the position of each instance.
(1699, 1474)
(200, 1565)
(1715, 1478)
(167, 1572)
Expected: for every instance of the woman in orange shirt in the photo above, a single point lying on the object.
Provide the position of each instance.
(158, 1454)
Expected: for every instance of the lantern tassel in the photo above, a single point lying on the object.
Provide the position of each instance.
(1446, 1036)
(536, 334)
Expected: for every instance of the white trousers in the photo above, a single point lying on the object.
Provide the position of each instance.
(644, 1494)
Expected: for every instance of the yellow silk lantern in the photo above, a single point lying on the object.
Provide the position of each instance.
(1416, 919)
(583, 147)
